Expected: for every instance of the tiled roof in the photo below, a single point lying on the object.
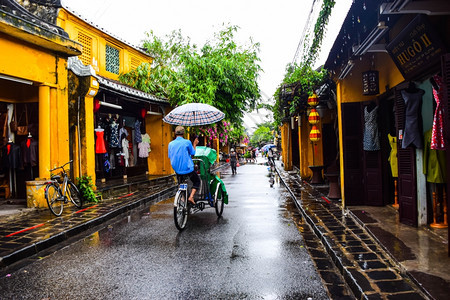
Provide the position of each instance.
(127, 90)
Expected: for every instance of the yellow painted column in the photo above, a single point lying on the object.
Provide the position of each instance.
(341, 143)
(44, 131)
(88, 159)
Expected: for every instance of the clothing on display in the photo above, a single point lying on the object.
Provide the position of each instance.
(100, 141)
(437, 133)
(29, 148)
(412, 134)
(137, 132)
(144, 146)
(12, 156)
(114, 138)
(434, 162)
(393, 155)
(371, 141)
(125, 151)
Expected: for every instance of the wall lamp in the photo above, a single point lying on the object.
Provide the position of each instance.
(346, 69)
(371, 39)
(103, 103)
(154, 113)
(15, 79)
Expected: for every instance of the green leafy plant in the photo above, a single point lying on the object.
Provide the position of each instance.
(86, 188)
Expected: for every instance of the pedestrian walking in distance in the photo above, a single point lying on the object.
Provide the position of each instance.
(233, 161)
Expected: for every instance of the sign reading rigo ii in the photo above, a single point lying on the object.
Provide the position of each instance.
(417, 49)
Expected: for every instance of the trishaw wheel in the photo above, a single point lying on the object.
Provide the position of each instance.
(180, 211)
(218, 200)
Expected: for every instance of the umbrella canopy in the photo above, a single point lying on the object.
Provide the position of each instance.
(267, 147)
(194, 114)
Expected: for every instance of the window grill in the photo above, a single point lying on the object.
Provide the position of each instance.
(112, 59)
(86, 54)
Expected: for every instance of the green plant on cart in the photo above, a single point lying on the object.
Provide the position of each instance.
(86, 188)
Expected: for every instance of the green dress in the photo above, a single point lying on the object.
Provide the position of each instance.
(434, 162)
(393, 155)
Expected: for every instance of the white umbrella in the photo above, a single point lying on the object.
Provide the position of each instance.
(194, 114)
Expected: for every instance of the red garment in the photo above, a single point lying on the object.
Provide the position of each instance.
(437, 132)
(100, 142)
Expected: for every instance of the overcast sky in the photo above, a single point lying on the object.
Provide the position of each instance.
(276, 25)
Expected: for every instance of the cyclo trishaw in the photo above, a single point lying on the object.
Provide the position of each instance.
(212, 192)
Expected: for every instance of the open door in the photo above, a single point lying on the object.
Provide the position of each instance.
(446, 106)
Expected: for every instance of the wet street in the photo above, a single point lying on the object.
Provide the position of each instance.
(255, 251)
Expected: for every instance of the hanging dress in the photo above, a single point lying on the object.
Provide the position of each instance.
(371, 141)
(125, 152)
(437, 132)
(393, 155)
(114, 130)
(412, 134)
(144, 146)
(100, 142)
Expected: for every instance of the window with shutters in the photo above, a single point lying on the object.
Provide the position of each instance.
(112, 59)
(135, 63)
(86, 54)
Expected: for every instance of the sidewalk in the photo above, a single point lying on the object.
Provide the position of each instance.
(379, 257)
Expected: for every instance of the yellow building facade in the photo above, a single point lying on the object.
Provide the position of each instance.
(108, 106)
(33, 93)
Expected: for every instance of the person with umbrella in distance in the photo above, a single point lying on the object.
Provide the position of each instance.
(180, 152)
(233, 161)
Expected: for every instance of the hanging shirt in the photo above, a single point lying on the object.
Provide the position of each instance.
(137, 132)
(371, 141)
(437, 132)
(393, 155)
(412, 134)
(434, 162)
(144, 146)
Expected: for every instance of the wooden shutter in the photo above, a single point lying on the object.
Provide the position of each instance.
(352, 144)
(407, 185)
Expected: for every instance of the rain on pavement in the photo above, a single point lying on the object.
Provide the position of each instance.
(255, 251)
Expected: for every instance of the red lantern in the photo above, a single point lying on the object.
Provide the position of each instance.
(143, 113)
(96, 105)
(315, 134)
(313, 117)
(313, 100)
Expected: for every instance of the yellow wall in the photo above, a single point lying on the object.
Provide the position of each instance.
(309, 157)
(389, 75)
(160, 136)
(81, 31)
(286, 146)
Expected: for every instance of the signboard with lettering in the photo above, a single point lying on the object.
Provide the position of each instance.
(417, 49)
(370, 83)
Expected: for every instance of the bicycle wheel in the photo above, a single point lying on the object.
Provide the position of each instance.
(180, 211)
(74, 194)
(54, 199)
(218, 200)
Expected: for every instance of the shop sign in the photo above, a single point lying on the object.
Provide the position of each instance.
(417, 49)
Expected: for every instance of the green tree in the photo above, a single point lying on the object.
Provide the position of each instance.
(262, 135)
(222, 73)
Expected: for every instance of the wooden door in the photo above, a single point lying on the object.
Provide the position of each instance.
(352, 151)
(407, 185)
(446, 108)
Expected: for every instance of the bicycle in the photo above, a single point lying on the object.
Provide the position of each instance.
(59, 190)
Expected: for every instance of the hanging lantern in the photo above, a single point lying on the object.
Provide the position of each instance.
(96, 105)
(313, 117)
(315, 134)
(143, 113)
(313, 100)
